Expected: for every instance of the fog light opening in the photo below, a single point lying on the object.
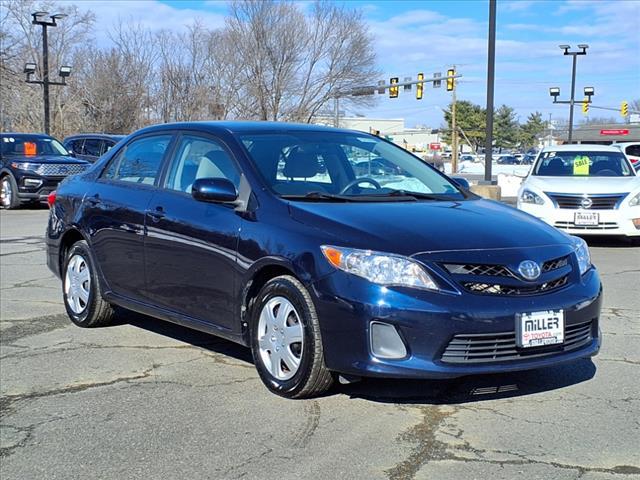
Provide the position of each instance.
(386, 342)
(32, 182)
(636, 223)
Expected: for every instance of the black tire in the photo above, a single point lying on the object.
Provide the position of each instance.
(96, 312)
(13, 200)
(312, 377)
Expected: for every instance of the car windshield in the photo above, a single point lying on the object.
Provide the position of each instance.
(351, 166)
(25, 145)
(582, 164)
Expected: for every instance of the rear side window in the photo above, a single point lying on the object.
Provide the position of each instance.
(76, 146)
(633, 150)
(139, 161)
(92, 147)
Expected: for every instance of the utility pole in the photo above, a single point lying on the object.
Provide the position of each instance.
(30, 68)
(336, 107)
(550, 131)
(555, 92)
(491, 67)
(454, 132)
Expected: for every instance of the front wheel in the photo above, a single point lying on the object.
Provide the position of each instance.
(286, 342)
(81, 289)
(9, 193)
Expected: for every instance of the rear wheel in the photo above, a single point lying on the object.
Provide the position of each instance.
(9, 193)
(286, 341)
(81, 289)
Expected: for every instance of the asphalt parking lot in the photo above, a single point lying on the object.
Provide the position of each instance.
(145, 399)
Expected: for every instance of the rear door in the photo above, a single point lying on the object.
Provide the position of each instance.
(114, 212)
(190, 248)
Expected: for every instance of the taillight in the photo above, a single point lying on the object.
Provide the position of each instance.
(51, 199)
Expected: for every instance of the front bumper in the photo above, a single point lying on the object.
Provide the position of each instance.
(427, 322)
(36, 187)
(611, 222)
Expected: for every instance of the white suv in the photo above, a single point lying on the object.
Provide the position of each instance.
(583, 189)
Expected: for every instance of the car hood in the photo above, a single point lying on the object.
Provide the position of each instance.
(581, 185)
(45, 159)
(408, 228)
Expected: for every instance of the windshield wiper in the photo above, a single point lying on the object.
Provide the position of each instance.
(315, 195)
(416, 195)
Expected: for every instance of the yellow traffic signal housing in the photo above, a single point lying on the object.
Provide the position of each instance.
(450, 81)
(420, 87)
(624, 109)
(585, 106)
(393, 91)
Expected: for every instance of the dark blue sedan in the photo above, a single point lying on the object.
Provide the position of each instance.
(268, 235)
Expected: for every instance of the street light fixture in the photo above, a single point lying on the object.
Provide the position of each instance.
(588, 91)
(40, 18)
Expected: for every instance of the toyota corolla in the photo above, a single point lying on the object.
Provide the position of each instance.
(274, 236)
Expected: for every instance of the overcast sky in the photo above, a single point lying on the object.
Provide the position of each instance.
(429, 36)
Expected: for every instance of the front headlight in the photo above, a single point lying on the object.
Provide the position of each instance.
(28, 166)
(635, 201)
(527, 196)
(582, 253)
(380, 268)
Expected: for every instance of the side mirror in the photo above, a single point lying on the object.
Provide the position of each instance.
(214, 190)
(71, 152)
(462, 182)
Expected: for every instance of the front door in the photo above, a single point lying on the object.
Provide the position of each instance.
(190, 247)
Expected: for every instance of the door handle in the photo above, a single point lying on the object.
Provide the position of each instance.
(157, 214)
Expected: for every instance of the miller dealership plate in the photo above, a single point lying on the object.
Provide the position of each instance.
(585, 218)
(537, 329)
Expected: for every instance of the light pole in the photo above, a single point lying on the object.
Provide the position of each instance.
(39, 18)
(555, 92)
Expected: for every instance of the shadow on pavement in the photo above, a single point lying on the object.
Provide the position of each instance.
(611, 241)
(433, 392)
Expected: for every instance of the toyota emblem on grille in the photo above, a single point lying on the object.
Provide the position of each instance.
(529, 270)
(586, 202)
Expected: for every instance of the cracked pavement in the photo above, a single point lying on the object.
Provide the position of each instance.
(147, 399)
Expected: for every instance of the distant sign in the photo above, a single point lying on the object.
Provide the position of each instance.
(615, 132)
(434, 146)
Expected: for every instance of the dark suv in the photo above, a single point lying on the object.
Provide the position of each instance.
(90, 146)
(31, 166)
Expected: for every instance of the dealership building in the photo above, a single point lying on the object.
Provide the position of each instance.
(606, 134)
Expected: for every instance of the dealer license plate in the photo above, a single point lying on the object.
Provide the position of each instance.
(585, 218)
(537, 329)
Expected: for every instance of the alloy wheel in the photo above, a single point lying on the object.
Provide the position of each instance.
(280, 338)
(6, 192)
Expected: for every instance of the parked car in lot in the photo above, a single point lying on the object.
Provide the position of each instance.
(632, 151)
(508, 160)
(583, 189)
(321, 275)
(90, 146)
(31, 166)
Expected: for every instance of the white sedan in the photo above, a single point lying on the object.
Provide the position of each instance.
(583, 189)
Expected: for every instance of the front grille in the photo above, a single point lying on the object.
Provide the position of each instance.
(60, 169)
(499, 270)
(497, 289)
(471, 269)
(599, 202)
(555, 264)
(600, 226)
(497, 347)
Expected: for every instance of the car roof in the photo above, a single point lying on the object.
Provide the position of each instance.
(247, 127)
(95, 135)
(583, 147)
(16, 134)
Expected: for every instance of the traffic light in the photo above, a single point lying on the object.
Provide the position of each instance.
(450, 81)
(393, 91)
(585, 106)
(420, 87)
(624, 108)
